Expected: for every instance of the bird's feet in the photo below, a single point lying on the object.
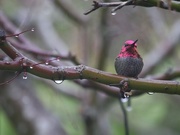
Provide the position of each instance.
(124, 88)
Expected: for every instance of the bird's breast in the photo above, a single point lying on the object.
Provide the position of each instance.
(128, 66)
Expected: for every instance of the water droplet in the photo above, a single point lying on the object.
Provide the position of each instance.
(126, 95)
(129, 108)
(32, 29)
(7, 62)
(31, 67)
(58, 81)
(124, 100)
(113, 13)
(150, 93)
(24, 77)
(46, 63)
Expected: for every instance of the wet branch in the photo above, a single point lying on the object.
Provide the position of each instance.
(173, 5)
(46, 54)
(24, 44)
(82, 72)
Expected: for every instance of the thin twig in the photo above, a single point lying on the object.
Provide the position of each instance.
(144, 3)
(43, 53)
(121, 5)
(11, 79)
(95, 5)
(125, 116)
(24, 44)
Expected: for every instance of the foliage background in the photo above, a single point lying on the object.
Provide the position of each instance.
(157, 113)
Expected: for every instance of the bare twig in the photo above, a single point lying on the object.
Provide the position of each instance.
(95, 5)
(11, 79)
(43, 53)
(126, 126)
(174, 5)
(121, 5)
(28, 46)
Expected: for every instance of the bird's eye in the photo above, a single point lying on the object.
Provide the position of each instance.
(126, 45)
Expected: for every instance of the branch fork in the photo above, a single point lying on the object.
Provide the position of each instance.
(170, 5)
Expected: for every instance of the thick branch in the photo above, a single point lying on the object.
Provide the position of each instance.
(83, 72)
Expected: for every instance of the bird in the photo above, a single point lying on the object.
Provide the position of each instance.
(129, 62)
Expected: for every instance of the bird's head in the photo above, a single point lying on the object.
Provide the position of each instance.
(130, 45)
(129, 49)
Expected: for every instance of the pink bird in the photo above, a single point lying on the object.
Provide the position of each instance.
(129, 62)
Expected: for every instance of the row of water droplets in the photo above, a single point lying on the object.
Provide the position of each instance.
(31, 67)
(46, 63)
(17, 35)
(129, 107)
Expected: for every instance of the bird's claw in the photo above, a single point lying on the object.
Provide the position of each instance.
(127, 94)
(124, 88)
(124, 85)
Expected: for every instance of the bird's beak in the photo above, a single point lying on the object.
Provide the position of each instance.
(133, 44)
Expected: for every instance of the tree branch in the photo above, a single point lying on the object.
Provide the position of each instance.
(25, 45)
(39, 52)
(84, 72)
(174, 5)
